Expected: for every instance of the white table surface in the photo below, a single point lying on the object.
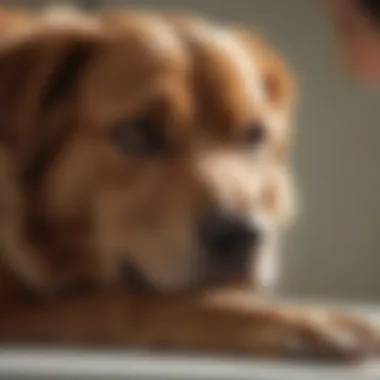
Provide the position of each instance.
(60, 364)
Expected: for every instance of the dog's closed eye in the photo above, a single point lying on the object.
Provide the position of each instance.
(141, 136)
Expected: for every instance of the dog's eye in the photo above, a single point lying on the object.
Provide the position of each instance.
(255, 136)
(141, 136)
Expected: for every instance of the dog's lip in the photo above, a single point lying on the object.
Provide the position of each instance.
(133, 278)
(226, 276)
(234, 278)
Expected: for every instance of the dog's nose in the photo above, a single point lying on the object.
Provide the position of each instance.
(229, 237)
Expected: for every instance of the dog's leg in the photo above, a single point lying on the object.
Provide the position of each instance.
(199, 325)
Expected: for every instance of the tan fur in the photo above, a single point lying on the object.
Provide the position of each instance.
(75, 209)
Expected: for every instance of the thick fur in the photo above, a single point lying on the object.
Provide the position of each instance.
(76, 210)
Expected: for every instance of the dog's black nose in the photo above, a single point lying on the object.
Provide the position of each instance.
(229, 237)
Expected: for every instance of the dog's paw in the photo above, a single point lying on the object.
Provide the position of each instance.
(332, 336)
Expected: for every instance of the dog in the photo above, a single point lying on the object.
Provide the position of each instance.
(145, 184)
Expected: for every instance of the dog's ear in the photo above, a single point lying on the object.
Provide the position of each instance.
(279, 82)
(280, 85)
(40, 70)
(282, 93)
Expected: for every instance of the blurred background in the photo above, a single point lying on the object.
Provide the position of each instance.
(334, 250)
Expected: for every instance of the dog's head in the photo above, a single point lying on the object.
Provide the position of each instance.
(158, 143)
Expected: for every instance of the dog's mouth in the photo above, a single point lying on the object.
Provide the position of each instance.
(222, 277)
(207, 280)
(134, 279)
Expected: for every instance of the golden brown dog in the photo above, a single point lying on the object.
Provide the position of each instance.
(145, 159)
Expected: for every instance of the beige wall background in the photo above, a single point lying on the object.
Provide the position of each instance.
(334, 250)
